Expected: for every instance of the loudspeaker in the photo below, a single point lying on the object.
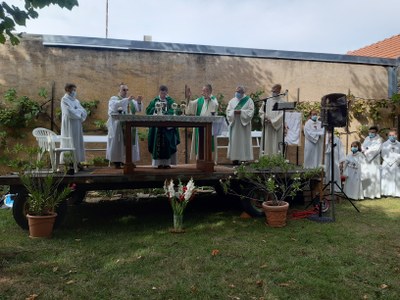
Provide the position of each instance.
(334, 110)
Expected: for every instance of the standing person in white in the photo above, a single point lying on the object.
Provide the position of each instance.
(338, 159)
(207, 105)
(122, 104)
(273, 128)
(352, 171)
(371, 147)
(240, 111)
(314, 141)
(391, 166)
(72, 117)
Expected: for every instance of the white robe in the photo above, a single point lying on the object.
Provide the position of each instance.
(353, 187)
(272, 137)
(371, 168)
(115, 142)
(240, 143)
(313, 144)
(209, 106)
(390, 169)
(338, 157)
(72, 116)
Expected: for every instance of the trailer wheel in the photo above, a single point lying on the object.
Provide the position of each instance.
(253, 206)
(20, 209)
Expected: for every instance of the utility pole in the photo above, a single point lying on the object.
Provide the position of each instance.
(106, 19)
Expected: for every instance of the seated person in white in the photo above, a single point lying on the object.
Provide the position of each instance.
(390, 169)
(353, 173)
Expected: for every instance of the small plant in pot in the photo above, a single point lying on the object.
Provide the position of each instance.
(274, 180)
(44, 195)
(45, 192)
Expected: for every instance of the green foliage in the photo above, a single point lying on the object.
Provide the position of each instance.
(99, 161)
(18, 112)
(11, 16)
(273, 175)
(101, 124)
(44, 192)
(44, 188)
(90, 106)
(306, 107)
(256, 121)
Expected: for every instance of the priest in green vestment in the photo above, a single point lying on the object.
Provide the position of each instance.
(206, 105)
(240, 111)
(162, 141)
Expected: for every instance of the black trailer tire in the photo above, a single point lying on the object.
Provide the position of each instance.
(253, 206)
(20, 210)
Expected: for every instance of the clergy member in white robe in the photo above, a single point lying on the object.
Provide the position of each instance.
(207, 105)
(123, 104)
(239, 112)
(314, 141)
(272, 120)
(352, 171)
(390, 169)
(371, 148)
(338, 159)
(72, 117)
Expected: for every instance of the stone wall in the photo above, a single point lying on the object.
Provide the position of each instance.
(98, 72)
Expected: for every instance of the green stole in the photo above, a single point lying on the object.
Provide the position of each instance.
(200, 103)
(132, 108)
(242, 102)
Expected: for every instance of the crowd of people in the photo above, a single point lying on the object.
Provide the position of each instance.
(370, 170)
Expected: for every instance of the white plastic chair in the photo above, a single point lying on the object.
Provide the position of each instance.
(47, 142)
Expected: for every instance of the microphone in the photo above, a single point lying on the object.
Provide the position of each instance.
(282, 94)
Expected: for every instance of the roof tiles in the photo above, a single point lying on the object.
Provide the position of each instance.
(388, 48)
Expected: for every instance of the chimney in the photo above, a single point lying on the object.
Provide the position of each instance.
(147, 38)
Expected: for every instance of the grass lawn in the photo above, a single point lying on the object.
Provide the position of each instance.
(123, 250)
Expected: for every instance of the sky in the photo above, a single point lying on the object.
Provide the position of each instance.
(334, 26)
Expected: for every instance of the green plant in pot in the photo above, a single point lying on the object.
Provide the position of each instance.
(269, 183)
(44, 192)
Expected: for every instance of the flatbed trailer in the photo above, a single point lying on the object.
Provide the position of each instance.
(108, 178)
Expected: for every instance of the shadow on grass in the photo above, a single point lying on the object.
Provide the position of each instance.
(144, 212)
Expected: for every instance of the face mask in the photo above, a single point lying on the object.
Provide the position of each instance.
(392, 138)
(354, 149)
(73, 94)
(238, 95)
(314, 118)
(274, 94)
(372, 135)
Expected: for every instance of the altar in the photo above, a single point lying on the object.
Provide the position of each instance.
(208, 126)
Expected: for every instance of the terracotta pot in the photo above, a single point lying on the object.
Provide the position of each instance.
(41, 226)
(275, 215)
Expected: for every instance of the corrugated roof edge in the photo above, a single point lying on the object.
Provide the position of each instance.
(119, 44)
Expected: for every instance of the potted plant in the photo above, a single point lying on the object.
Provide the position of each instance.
(44, 190)
(274, 180)
(44, 194)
